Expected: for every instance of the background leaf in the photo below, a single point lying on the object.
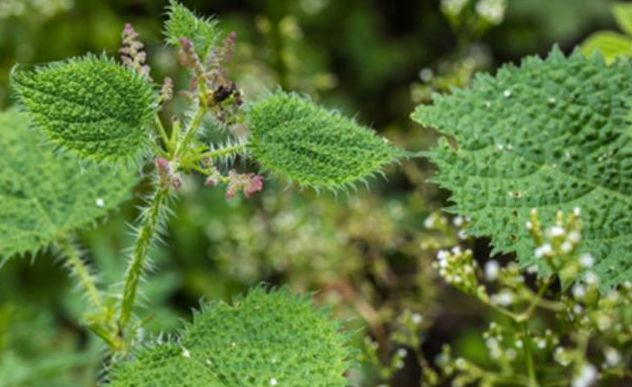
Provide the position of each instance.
(42, 196)
(262, 339)
(610, 44)
(294, 138)
(623, 14)
(182, 23)
(92, 106)
(550, 134)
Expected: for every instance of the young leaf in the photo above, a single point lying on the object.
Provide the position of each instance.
(182, 23)
(91, 106)
(611, 45)
(43, 196)
(262, 339)
(551, 134)
(623, 15)
(294, 138)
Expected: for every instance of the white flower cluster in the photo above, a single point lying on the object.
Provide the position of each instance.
(492, 10)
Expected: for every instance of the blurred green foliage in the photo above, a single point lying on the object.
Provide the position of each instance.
(365, 254)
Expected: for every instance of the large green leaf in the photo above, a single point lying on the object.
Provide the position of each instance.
(263, 339)
(43, 196)
(183, 23)
(91, 105)
(551, 134)
(294, 138)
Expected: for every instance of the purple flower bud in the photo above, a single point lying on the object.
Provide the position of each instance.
(162, 164)
(212, 181)
(254, 185)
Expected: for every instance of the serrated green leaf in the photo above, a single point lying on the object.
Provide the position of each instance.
(182, 23)
(550, 134)
(296, 139)
(611, 45)
(623, 15)
(91, 106)
(263, 339)
(43, 196)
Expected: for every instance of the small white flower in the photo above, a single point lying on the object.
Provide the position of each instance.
(402, 352)
(519, 343)
(574, 237)
(491, 270)
(566, 247)
(591, 278)
(586, 260)
(504, 298)
(507, 93)
(577, 211)
(417, 318)
(186, 353)
(613, 357)
(529, 225)
(273, 382)
(579, 291)
(458, 221)
(543, 250)
(100, 202)
(556, 231)
(586, 377)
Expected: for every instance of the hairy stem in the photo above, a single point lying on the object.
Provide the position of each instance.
(221, 152)
(81, 271)
(192, 129)
(150, 221)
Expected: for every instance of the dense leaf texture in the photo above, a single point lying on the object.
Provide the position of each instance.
(182, 23)
(262, 339)
(43, 196)
(294, 138)
(550, 134)
(90, 105)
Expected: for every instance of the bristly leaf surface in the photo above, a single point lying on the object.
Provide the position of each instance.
(262, 339)
(182, 23)
(294, 138)
(552, 134)
(92, 106)
(44, 196)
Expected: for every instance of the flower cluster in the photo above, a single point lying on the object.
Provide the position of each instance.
(132, 51)
(569, 299)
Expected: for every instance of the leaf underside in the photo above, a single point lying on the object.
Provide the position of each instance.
(91, 106)
(552, 134)
(44, 196)
(259, 339)
(296, 139)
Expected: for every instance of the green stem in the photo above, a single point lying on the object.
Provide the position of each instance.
(533, 381)
(162, 133)
(150, 222)
(81, 271)
(192, 129)
(536, 301)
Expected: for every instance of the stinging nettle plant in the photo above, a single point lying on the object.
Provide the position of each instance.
(96, 124)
